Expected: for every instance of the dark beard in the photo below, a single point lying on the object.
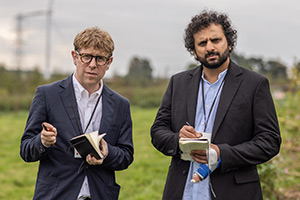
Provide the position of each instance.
(214, 65)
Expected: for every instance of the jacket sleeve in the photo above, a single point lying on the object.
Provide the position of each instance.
(163, 137)
(32, 148)
(266, 140)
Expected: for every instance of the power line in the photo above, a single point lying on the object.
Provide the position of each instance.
(19, 29)
(19, 40)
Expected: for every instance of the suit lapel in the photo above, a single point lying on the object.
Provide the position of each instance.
(107, 109)
(231, 85)
(69, 100)
(191, 93)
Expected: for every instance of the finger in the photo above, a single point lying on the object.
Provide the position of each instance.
(97, 162)
(199, 152)
(103, 148)
(48, 140)
(48, 136)
(93, 161)
(89, 159)
(187, 132)
(49, 127)
(199, 156)
(55, 131)
(199, 159)
(199, 134)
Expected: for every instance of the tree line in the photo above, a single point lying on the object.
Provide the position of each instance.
(138, 85)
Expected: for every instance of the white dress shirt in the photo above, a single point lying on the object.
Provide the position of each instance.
(86, 104)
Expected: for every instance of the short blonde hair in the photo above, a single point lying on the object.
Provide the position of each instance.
(94, 37)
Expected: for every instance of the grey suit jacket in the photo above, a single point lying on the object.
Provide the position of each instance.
(60, 175)
(245, 129)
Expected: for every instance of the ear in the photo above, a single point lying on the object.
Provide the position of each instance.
(109, 62)
(230, 48)
(74, 56)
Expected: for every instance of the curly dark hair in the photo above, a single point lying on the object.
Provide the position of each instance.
(204, 20)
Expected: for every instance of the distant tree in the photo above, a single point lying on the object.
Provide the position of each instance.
(295, 78)
(241, 60)
(297, 68)
(276, 71)
(139, 69)
(258, 65)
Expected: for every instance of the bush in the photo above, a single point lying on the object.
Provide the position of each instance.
(15, 103)
(268, 173)
(141, 94)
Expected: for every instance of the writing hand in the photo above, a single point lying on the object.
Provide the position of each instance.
(187, 131)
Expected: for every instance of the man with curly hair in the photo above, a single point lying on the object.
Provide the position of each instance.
(224, 102)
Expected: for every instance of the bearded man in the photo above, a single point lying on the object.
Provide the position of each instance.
(227, 103)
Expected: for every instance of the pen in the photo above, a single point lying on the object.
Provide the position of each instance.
(47, 130)
(44, 127)
(187, 123)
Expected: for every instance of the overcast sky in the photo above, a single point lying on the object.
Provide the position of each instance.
(151, 29)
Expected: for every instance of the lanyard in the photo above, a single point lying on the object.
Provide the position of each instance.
(74, 109)
(92, 114)
(213, 104)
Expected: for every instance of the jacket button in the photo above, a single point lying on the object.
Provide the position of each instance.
(42, 149)
(184, 172)
(171, 151)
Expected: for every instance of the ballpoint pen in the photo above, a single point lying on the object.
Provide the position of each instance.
(187, 123)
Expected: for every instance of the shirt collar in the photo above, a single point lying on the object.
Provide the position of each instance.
(221, 76)
(80, 90)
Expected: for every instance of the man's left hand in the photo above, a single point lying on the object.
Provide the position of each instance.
(200, 156)
(104, 150)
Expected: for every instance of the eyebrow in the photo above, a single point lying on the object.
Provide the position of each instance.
(85, 54)
(211, 39)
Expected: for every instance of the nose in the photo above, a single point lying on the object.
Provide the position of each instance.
(93, 63)
(209, 46)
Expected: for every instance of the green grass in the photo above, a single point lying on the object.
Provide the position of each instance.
(17, 178)
(145, 178)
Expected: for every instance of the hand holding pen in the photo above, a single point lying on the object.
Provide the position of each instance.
(188, 131)
(48, 134)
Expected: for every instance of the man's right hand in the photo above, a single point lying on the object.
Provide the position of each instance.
(48, 134)
(189, 132)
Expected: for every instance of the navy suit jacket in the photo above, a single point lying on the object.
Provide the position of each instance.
(60, 175)
(245, 129)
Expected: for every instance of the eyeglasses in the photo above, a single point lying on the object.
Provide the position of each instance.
(87, 58)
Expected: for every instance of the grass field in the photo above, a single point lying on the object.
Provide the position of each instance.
(145, 178)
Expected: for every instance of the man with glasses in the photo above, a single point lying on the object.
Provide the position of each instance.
(79, 104)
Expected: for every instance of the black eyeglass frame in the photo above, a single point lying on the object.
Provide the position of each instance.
(92, 56)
